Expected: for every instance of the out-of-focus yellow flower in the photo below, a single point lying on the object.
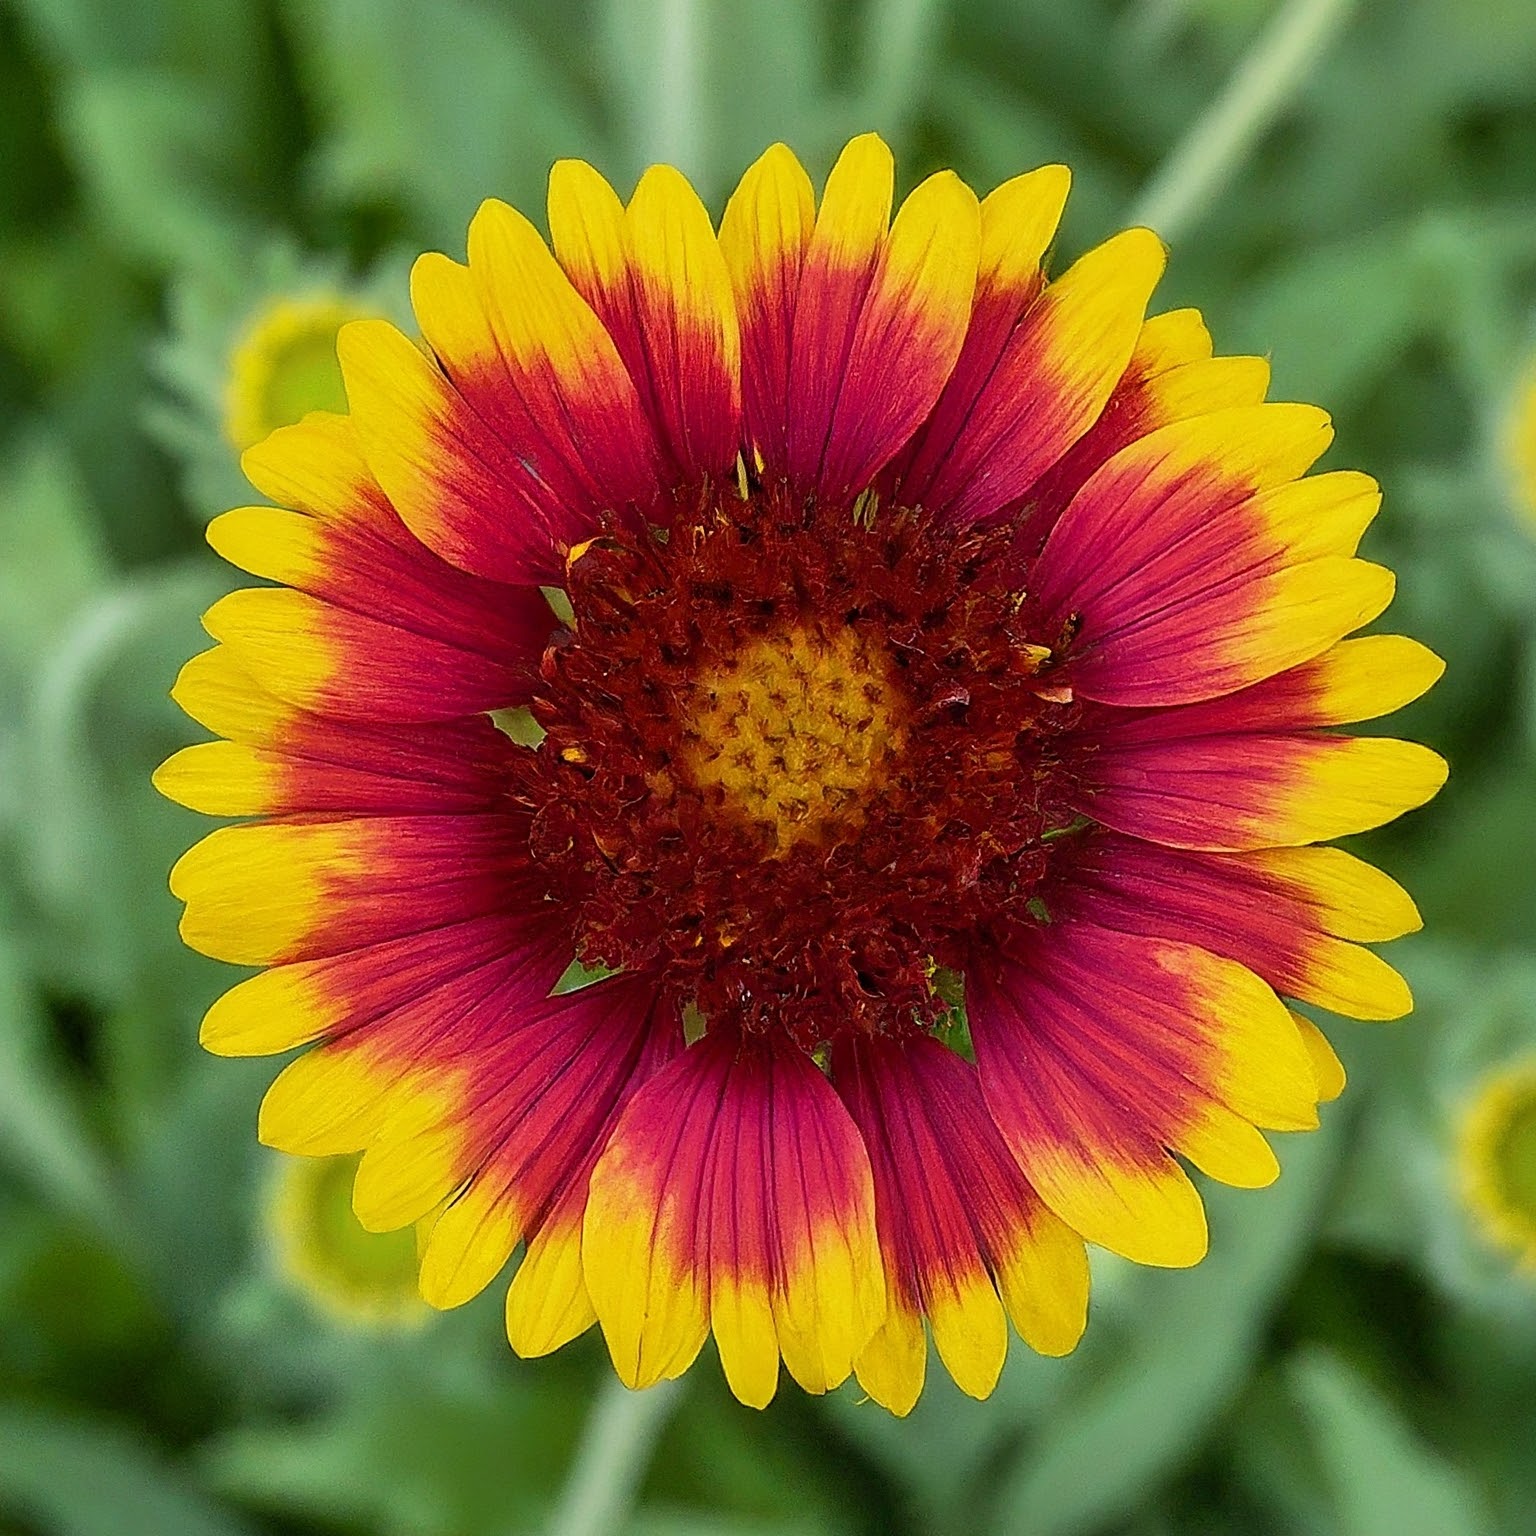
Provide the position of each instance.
(1497, 1158)
(284, 366)
(1520, 443)
(356, 1276)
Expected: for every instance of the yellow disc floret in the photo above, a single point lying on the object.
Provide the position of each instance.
(1498, 1160)
(795, 729)
(357, 1276)
(284, 366)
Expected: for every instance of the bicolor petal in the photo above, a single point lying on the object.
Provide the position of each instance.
(1171, 376)
(1250, 770)
(378, 575)
(735, 1195)
(264, 893)
(655, 275)
(1174, 577)
(317, 656)
(977, 1242)
(470, 494)
(880, 319)
(1101, 1053)
(1018, 221)
(283, 761)
(399, 1028)
(764, 235)
(1051, 379)
(546, 1096)
(1287, 914)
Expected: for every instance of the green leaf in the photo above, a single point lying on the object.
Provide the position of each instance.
(413, 1457)
(96, 840)
(435, 109)
(1381, 1476)
(42, 1132)
(674, 72)
(73, 1476)
(681, 1523)
(149, 143)
(1192, 1340)
(1333, 318)
(50, 558)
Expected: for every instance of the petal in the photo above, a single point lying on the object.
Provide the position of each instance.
(547, 1094)
(763, 237)
(735, 1194)
(1168, 483)
(894, 1364)
(227, 778)
(474, 497)
(346, 992)
(394, 580)
(1049, 385)
(879, 320)
(1165, 341)
(957, 1220)
(1179, 582)
(362, 558)
(217, 692)
(1102, 1052)
(1276, 912)
(331, 660)
(317, 466)
(547, 1302)
(405, 1027)
(1327, 1069)
(1354, 680)
(655, 275)
(532, 360)
(1238, 790)
(263, 893)
(1171, 377)
(1018, 221)
(841, 260)
(285, 761)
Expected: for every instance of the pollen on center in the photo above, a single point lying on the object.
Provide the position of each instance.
(795, 729)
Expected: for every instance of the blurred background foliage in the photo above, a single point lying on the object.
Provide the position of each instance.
(1355, 1357)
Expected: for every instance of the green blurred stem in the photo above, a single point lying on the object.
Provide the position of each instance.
(899, 38)
(1259, 90)
(611, 1458)
(674, 131)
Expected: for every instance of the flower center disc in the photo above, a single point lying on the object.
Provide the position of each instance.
(794, 760)
(794, 730)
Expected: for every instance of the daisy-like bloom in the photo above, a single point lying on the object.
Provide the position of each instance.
(284, 365)
(359, 1277)
(929, 626)
(1496, 1160)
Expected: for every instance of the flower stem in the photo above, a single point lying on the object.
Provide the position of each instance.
(611, 1458)
(898, 45)
(674, 133)
(1259, 89)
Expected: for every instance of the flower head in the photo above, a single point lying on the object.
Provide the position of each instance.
(1497, 1160)
(247, 351)
(284, 366)
(359, 1277)
(931, 630)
